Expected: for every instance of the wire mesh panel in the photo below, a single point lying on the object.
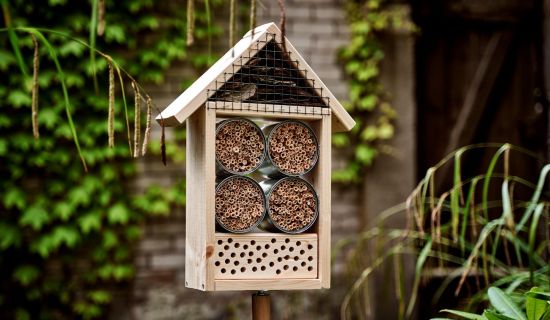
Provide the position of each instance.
(269, 78)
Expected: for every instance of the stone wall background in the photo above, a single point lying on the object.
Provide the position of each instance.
(317, 28)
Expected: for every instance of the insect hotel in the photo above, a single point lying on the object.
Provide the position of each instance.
(259, 125)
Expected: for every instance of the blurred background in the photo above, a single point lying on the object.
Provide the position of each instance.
(422, 79)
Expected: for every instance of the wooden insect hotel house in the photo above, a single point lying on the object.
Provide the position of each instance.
(259, 125)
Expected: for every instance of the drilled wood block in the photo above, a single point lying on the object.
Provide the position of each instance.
(265, 256)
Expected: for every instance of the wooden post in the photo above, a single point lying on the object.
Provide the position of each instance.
(261, 306)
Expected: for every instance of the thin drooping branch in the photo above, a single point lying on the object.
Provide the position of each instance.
(35, 68)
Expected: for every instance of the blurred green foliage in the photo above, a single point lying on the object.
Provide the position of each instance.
(65, 235)
(368, 103)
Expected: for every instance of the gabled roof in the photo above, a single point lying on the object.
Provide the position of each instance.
(199, 92)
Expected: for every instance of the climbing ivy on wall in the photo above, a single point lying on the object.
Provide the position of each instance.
(65, 235)
(369, 104)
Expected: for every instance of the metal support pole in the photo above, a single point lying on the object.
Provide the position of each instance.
(261, 306)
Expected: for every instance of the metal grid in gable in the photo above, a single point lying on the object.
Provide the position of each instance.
(269, 78)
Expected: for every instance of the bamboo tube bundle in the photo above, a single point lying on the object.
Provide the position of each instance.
(240, 146)
(292, 205)
(292, 149)
(240, 204)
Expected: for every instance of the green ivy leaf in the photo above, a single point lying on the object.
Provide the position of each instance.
(3, 147)
(35, 216)
(65, 235)
(122, 272)
(71, 48)
(14, 198)
(89, 222)
(118, 214)
(10, 236)
(18, 98)
(133, 233)
(110, 239)
(340, 139)
(79, 196)
(368, 103)
(5, 121)
(6, 59)
(365, 154)
(385, 131)
(370, 133)
(105, 271)
(63, 210)
(100, 296)
(22, 314)
(44, 245)
(115, 33)
(87, 310)
(25, 274)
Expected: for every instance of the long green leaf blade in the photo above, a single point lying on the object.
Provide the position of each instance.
(491, 315)
(504, 304)
(488, 178)
(14, 39)
(418, 273)
(535, 199)
(532, 236)
(455, 195)
(466, 315)
(544, 296)
(534, 307)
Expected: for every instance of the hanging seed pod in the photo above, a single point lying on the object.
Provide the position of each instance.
(190, 22)
(147, 134)
(137, 119)
(101, 17)
(111, 113)
(290, 207)
(240, 147)
(34, 106)
(240, 204)
(292, 149)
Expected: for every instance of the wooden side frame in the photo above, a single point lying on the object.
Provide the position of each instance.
(322, 183)
(200, 220)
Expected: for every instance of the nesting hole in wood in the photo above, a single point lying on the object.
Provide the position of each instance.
(267, 258)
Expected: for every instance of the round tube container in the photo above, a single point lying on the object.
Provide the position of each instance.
(240, 147)
(292, 205)
(240, 204)
(292, 149)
